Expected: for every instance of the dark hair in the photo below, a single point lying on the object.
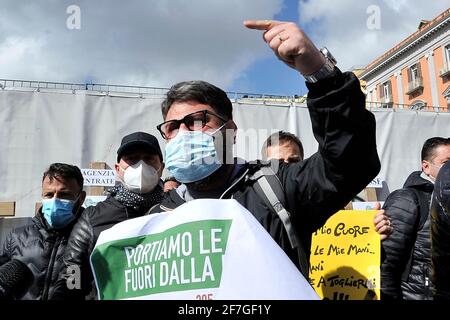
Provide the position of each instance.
(199, 91)
(171, 178)
(429, 147)
(281, 137)
(65, 171)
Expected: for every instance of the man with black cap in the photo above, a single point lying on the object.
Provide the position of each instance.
(139, 167)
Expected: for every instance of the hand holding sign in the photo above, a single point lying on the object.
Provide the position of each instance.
(290, 44)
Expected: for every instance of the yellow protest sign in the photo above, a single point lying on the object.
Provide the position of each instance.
(345, 257)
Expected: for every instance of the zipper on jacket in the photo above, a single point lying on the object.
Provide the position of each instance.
(48, 278)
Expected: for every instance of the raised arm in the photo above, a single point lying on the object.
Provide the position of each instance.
(290, 44)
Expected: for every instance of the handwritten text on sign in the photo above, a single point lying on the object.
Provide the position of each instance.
(345, 257)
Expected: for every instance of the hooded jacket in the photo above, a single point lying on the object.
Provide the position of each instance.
(408, 237)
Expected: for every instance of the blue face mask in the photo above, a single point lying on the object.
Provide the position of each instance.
(192, 156)
(58, 212)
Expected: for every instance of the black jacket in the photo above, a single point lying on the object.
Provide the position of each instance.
(321, 185)
(84, 235)
(41, 249)
(440, 234)
(403, 208)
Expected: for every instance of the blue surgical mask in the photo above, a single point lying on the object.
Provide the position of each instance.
(192, 155)
(58, 212)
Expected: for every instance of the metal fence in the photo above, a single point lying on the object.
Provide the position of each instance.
(140, 91)
(398, 107)
(134, 90)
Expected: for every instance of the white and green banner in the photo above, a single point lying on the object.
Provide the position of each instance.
(204, 249)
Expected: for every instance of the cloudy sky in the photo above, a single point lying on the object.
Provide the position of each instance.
(160, 42)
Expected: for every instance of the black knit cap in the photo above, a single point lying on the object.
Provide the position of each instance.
(139, 141)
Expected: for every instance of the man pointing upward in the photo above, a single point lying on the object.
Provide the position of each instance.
(198, 121)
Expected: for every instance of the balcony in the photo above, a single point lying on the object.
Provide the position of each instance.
(415, 85)
(387, 101)
(377, 105)
(445, 71)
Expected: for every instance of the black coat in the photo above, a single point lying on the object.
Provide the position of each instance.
(440, 234)
(41, 249)
(82, 241)
(315, 188)
(403, 208)
(323, 184)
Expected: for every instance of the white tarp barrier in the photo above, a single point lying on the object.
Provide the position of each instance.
(39, 128)
(211, 248)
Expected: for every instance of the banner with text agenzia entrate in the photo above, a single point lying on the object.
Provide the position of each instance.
(204, 249)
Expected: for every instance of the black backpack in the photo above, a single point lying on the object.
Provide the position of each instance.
(271, 191)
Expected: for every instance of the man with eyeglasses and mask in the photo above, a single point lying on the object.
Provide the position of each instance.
(41, 245)
(406, 268)
(139, 167)
(200, 132)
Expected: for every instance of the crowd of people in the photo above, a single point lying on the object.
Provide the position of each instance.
(200, 132)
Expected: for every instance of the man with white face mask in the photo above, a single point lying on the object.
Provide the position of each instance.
(138, 168)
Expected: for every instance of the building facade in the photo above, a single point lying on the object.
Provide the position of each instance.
(415, 74)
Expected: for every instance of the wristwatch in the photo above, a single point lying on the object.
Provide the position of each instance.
(325, 70)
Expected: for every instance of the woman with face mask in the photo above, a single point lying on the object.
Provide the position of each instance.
(138, 170)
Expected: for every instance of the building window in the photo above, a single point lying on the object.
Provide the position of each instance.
(446, 95)
(385, 90)
(415, 73)
(415, 80)
(445, 71)
(447, 54)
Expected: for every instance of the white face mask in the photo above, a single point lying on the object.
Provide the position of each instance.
(140, 177)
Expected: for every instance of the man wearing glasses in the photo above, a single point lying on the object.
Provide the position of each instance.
(200, 133)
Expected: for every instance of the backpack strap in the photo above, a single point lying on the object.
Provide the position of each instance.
(420, 222)
(270, 189)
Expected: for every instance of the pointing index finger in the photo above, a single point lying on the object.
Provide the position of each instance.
(261, 24)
